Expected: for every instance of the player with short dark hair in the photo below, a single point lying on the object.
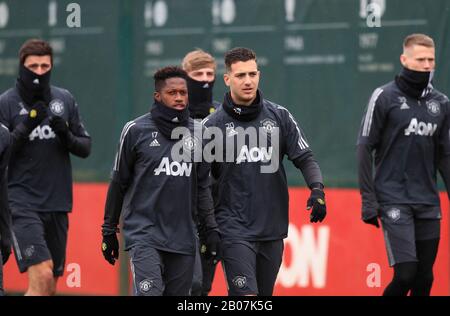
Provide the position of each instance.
(252, 202)
(165, 73)
(45, 127)
(160, 192)
(406, 128)
(239, 54)
(35, 47)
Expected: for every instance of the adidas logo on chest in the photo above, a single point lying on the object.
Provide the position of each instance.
(155, 143)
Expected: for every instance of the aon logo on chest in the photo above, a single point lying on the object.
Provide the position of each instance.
(420, 128)
(173, 168)
(254, 154)
(42, 132)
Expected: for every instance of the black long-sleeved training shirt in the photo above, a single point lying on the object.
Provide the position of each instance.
(156, 192)
(410, 140)
(252, 199)
(40, 171)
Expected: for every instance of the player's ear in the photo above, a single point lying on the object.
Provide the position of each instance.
(403, 60)
(157, 96)
(226, 79)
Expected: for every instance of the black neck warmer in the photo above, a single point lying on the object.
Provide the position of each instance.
(166, 119)
(200, 97)
(244, 113)
(414, 83)
(33, 87)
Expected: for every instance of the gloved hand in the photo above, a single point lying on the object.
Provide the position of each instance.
(5, 248)
(110, 248)
(316, 201)
(35, 116)
(211, 244)
(370, 209)
(59, 126)
(372, 221)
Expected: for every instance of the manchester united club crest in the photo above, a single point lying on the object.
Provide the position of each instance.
(57, 107)
(268, 126)
(394, 214)
(433, 108)
(190, 143)
(145, 286)
(240, 281)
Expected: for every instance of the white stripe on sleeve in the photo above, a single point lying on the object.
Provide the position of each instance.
(370, 110)
(301, 141)
(125, 130)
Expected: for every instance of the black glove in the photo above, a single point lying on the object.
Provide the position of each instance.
(36, 115)
(59, 126)
(370, 209)
(110, 248)
(316, 201)
(210, 246)
(5, 248)
(372, 221)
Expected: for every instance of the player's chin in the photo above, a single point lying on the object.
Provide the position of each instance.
(249, 96)
(250, 92)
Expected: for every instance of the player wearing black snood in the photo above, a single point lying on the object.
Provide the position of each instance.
(406, 128)
(45, 128)
(201, 69)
